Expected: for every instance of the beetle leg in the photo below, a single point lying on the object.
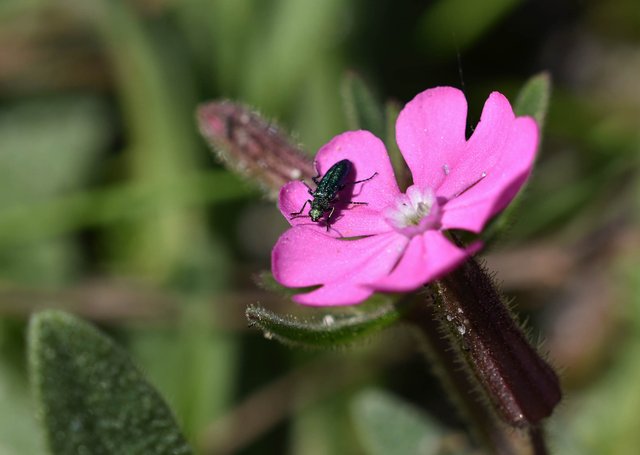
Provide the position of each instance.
(360, 181)
(329, 217)
(309, 189)
(315, 179)
(365, 180)
(296, 214)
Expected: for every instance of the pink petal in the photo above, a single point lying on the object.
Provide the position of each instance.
(305, 257)
(368, 155)
(483, 149)
(508, 158)
(428, 257)
(347, 221)
(292, 197)
(430, 132)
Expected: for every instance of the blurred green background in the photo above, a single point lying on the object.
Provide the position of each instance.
(112, 207)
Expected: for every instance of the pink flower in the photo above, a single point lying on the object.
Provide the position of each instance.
(396, 243)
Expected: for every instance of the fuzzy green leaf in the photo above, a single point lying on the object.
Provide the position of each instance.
(386, 424)
(533, 98)
(91, 397)
(332, 330)
(362, 108)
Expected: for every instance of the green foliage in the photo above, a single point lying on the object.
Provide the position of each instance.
(400, 168)
(74, 127)
(158, 104)
(365, 111)
(51, 143)
(108, 206)
(388, 425)
(331, 331)
(185, 363)
(91, 397)
(286, 44)
(362, 108)
(533, 98)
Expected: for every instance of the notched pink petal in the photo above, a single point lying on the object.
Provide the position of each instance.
(292, 197)
(483, 150)
(513, 161)
(368, 155)
(428, 257)
(430, 132)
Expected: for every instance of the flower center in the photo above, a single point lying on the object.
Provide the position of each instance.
(414, 212)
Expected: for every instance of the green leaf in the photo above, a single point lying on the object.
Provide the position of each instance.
(387, 425)
(91, 397)
(362, 108)
(533, 98)
(331, 331)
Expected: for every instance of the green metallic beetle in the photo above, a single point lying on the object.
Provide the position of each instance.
(327, 189)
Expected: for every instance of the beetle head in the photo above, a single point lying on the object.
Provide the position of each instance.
(315, 214)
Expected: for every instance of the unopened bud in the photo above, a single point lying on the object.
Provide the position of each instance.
(252, 146)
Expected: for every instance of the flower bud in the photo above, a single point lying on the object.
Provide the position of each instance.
(252, 146)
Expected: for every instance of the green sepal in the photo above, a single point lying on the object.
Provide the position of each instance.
(533, 98)
(386, 424)
(91, 398)
(362, 108)
(400, 168)
(334, 329)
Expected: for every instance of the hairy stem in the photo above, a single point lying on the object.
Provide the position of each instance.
(496, 377)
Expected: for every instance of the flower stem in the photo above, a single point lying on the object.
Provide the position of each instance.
(465, 315)
(422, 315)
(520, 385)
(538, 443)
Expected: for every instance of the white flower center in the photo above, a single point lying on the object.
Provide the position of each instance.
(414, 211)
